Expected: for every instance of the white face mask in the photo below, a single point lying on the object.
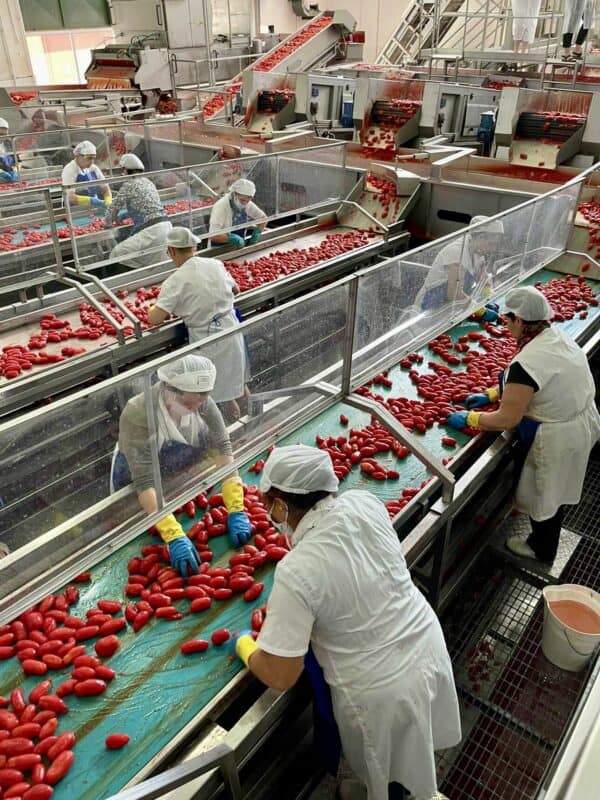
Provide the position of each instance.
(240, 206)
(282, 527)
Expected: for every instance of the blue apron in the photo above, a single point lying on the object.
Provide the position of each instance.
(438, 295)
(173, 457)
(238, 217)
(139, 222)
(7, 160)
(84, 177)
(326, 733)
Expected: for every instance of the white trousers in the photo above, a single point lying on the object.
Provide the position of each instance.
(525, 18)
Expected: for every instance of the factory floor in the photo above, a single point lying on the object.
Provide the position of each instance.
(515, 705)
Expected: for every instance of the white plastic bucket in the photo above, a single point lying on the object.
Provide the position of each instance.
(562, 645)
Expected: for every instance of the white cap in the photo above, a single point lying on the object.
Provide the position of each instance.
(85, 148)
(299, 469)
(190, 374)
(527, 303)
(181, 237)
(493, 226)
(130, 161)
(4, 123)
(132, 140)
(243, 186)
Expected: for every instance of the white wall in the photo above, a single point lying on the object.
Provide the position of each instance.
(378, 18)
(15, 66)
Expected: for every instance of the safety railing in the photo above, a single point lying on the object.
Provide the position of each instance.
(60, 510)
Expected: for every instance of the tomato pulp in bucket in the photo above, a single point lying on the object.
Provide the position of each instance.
(576, 615)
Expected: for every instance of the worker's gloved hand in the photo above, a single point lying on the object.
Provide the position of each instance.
(8, 177)
(238, 524)
(483, 399)
(122, 214)
(463, 419)
(108, 200)
(238, 528)
(235, 240)
(489, 313)
(184, 556)
(244, 645)
(182, 552)
(255, 235)
(97, 202)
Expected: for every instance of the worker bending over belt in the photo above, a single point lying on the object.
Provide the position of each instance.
(460, 267)
(237, 208)
(201, 292)
(547, 394)
(81, 170)
(138, 199)
(8, 172)
(344, 596)
(191, 435)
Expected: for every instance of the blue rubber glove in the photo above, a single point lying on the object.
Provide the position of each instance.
(122, 214)
(235, 240)
(8, 177)
(255, 235)
(458, 419)
(238, 528)
(97, 202)
(184, 556)
(493, 306)
(477, 400)
(490, 315)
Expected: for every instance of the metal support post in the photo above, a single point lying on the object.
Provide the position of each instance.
(153, 441)
(54, 229)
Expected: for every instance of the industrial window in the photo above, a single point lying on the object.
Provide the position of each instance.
(55, 15)
(62, 57)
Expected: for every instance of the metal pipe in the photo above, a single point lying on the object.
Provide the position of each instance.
(137, 325)
(98, 306)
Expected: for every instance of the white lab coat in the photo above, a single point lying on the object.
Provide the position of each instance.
(555, 466)
(345, 589)
(525, 18)
(200, 291)
(130, 251)
(578, 13)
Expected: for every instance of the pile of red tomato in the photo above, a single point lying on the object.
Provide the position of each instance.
(250, 274)
(217, 103)
(285, 49)
(591, 212)
(22, 97)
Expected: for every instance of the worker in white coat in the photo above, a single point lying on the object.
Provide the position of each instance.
(143, 242)
(201, 292)
(8, 171)
(462, 267)
(237, 208)
(344, 590)
(525, 19)
(547, 394)
(80, 171)
(578, 17)
(190, 433)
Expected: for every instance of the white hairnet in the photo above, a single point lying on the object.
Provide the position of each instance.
(528, 303)
(131, 161)
(299, 469)
(190, 373)
(85, 148)
(243, 186)
(181, 237)
(132, 140)
(4, 123)
(493, 226)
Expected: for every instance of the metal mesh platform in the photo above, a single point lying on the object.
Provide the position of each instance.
(585, 517)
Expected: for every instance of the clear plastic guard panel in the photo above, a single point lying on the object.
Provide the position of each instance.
(269, 369)
(41, 156)
(56, 467)
(33, 117)
(551, 224)
(26, 241)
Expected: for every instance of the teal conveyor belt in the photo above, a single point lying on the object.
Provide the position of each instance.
(158, 690)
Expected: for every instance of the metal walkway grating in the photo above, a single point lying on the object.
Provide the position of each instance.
(585, 517)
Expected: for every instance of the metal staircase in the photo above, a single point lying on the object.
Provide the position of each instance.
(464, 26)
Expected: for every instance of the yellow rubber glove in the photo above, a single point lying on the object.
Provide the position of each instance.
(493, 393)
(169, 529)
(473, 419)
(233, 495)
(83, 199)
(244, 647)
(107, 199)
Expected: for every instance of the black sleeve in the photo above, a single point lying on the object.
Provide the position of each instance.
(516, 374)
